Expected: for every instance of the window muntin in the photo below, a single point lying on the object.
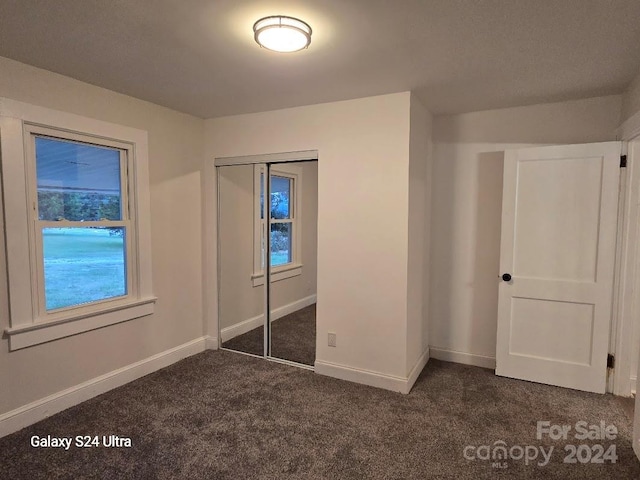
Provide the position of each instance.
(81, 220)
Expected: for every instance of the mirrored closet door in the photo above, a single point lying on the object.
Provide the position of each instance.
(293, 241)
(278, 237)
(241, 299)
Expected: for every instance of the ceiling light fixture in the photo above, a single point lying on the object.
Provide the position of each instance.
(282, 34)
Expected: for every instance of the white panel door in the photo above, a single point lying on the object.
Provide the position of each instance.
(559, 217)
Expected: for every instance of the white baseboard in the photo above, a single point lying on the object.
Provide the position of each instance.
(417, 369)
(210, 343)
(365, 377)
(371, 378)
(40, 409)
(462, 357)
(241, 328)
(247, 325)
(632, 382)
(292, 307)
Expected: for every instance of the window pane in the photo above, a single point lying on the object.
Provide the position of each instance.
(262, 196)
(262, 245)
(280, 195)
(77, 181)
(83, 265)
(280, 244)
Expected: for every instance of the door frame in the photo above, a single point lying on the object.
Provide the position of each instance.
(626, 307)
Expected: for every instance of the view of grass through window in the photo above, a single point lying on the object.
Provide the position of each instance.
(280, 244)
(82, 265)
(79, 182)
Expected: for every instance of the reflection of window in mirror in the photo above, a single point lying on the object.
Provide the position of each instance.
(284, 222)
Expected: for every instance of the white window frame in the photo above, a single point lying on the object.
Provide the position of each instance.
(31, 132)
(30, 323)
(261, 230)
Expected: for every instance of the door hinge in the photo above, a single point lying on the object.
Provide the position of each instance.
(623, 161)
(611, 361)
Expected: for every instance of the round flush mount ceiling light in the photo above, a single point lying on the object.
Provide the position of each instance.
(282, 34)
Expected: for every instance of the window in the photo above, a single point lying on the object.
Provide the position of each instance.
(78, 254)
(284, 223)
(81, 219)
(282, 218)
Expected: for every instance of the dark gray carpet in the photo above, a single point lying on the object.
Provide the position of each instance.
(222, 415)
(293, 338)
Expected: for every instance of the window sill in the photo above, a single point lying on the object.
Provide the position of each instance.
(278, 273)
(36, 333)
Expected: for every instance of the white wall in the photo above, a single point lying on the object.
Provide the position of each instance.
(631, 100)
(175, 158)
(630, 297)
(420, 164)
(363, 182)
(630, 108)
(466, 212)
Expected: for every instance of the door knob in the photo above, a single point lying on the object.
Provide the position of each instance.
(506, 277)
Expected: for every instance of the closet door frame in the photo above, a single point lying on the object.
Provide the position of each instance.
(267, 160)
(299, 156)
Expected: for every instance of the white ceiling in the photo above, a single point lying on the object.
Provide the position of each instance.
(199, 56)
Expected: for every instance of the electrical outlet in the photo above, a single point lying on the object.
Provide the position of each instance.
(332, 339)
